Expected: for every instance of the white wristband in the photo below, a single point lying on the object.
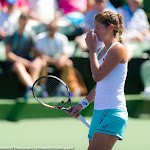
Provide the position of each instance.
(84, 102)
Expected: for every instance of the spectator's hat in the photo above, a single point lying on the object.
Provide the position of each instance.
(140, 1)
(11, 1)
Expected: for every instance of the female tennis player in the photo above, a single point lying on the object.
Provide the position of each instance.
(109, 69)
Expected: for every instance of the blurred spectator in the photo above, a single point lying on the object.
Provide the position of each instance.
(52, 47)
(145, 77)
(3, 5)
(136, 24)
(72, 16)
(9, 19)
(100, 5)
(90, 4)
(18, 49)
(42, 10)
(68, 6)
(135, 20)
(21, 4)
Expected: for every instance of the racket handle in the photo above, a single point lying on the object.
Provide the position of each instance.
(81, 118)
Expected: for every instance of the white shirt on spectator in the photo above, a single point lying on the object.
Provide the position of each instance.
(52, 47)
(133, 22)
(45, 9)
(8, 23)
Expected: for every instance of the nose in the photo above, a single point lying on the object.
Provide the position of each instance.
(94, 30)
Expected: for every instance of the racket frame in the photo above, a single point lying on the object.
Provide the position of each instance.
(79, 116)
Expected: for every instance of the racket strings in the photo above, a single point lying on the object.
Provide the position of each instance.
(60, 91)
(57, 102)
(57, 93)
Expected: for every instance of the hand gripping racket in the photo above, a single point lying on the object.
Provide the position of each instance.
(52, 92)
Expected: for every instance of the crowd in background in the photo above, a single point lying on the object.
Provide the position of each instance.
(29, 52)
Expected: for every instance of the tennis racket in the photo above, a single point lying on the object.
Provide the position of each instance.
(54, 94)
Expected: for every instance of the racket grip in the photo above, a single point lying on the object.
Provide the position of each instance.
(81, 118)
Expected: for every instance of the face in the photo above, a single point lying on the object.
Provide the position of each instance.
(99, 6)
(101, 31)
(133, 4)
(22, 22)
(10, 7)
(52, 29)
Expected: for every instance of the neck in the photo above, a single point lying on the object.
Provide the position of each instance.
(109, 43)
(132, 9)
(51, 36)
(20, 31)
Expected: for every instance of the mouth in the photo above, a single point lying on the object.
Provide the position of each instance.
(98, 37)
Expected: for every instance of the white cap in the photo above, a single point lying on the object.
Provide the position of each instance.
(140, 1)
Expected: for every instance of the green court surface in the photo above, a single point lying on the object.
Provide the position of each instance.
(67, 133)
(17, 109)
(33, 126)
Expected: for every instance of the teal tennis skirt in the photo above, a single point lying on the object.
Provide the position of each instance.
(109, 121)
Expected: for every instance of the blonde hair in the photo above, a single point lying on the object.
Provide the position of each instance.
(109, 17)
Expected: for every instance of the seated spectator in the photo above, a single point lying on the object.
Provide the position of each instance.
(52, 47)
(135, 20)
(9, 19)
(100, 5)
(19, 46)
(136, 24)
(90, 5)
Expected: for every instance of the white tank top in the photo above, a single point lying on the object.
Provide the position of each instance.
(110, 90)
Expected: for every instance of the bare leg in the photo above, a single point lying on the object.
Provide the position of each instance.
(35, 69)
(68, 74)
(71, 77)
(23, 74)
(101, 141)
(43, 70)
(80, 40)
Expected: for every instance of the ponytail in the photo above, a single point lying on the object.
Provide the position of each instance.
(120, 27)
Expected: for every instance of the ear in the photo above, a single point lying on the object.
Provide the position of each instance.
(111, 27)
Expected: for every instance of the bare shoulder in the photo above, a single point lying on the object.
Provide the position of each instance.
(119, 51)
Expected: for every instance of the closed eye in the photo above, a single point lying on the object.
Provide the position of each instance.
(96, 28)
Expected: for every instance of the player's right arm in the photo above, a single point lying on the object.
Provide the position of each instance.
(77, 108)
